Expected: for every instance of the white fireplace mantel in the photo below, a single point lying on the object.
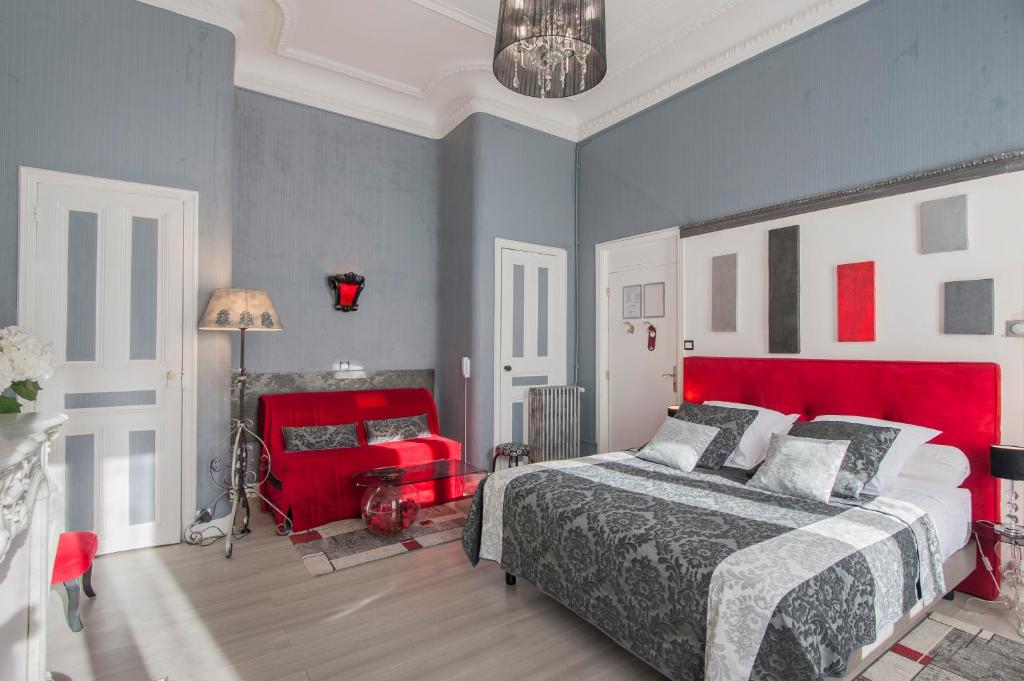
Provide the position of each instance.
(29, 523)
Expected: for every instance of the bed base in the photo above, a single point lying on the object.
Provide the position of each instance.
(955, 570)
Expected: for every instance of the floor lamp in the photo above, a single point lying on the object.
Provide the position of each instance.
(243, 310)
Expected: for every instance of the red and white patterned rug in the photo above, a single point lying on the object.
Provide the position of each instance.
(346, 543)
(943, 648)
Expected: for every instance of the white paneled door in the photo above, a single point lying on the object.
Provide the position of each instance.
(105, 275)
(531, 322)
(642, 364)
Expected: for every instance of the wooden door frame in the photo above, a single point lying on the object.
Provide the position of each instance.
(563, 358)
(602, 256)
(28, 197)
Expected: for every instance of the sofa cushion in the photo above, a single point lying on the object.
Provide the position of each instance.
(310, 438)
(396, 429)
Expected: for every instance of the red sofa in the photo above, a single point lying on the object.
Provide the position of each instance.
(315, 487)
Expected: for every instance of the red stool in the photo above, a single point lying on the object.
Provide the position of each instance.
(75, 553)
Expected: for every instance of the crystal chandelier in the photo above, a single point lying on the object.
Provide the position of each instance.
(550, 48)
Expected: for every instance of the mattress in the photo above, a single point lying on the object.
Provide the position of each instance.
(949, 508)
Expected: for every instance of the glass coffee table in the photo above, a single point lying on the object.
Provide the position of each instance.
(391, 502)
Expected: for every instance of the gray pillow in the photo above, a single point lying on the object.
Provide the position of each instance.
(393, 430)
(801, 467)
(731, 424)
(312, 438)
(678, 444)
(868, 447)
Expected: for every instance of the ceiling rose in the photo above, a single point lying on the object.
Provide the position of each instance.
(550, 48)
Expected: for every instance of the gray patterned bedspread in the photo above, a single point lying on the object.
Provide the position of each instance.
(702, 577)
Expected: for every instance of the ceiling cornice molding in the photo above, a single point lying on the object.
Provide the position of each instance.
(385, 116)
(489, 105)
(322, 99)
(754, 45)
(224, 13)
(456, 14)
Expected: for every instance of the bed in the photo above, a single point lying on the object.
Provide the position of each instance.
(704, 577)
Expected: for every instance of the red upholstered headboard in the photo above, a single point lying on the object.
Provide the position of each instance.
(959, 398)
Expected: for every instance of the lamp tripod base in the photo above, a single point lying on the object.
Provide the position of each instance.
(243, 487)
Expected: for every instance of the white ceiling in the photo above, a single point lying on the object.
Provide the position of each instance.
(423, 66)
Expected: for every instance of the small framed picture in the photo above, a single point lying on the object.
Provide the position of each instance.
(632, 301)
(654, 299)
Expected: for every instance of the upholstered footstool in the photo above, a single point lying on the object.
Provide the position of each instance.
(75, 554)
(513, 450)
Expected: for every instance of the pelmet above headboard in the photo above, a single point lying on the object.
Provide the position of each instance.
(959, 398)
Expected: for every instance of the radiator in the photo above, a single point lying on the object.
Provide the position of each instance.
(555, 422)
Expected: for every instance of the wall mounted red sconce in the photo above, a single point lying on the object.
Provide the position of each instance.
(346, 288)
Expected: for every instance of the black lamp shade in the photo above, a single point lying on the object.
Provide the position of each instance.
(1007, 462)
(525, 20)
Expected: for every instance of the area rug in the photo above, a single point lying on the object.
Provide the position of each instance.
(347, 543)
(944, 648)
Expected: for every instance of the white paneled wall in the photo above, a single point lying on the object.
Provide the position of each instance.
(908, 284)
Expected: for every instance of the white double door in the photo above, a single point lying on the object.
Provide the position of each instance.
(531, 318)
(103, 273)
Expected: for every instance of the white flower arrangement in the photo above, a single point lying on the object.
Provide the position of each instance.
(24, 361)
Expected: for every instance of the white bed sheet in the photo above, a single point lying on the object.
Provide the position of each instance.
(949, 507)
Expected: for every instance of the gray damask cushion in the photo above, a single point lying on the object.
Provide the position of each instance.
(868, 447)
(731, 424)
(312, 438)
(678, 444)
(393, 430)
(801, 467)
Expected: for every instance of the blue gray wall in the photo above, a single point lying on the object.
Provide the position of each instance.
(498, 180)
(119, 89)
(892, 87)
(320, 194)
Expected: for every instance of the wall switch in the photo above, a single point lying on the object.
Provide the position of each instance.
(687, 345)
(1015, 328)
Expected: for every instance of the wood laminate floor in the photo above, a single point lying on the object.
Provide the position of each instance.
(188, 614)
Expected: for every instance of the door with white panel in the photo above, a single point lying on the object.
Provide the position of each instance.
(106, 286)
(642, 375)
(531, 326)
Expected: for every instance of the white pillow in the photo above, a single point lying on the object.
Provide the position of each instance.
(678, 444)
(938, 465)
(801, 467)
(754, 443)
(910, 438)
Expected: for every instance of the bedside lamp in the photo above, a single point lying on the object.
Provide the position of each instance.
(1008, 464)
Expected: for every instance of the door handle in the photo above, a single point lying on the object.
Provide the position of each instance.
(675, 379)
(508, 367)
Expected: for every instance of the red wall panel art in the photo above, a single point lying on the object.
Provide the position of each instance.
(856, 301)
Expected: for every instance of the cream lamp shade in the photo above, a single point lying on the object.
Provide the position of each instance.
(234, 309)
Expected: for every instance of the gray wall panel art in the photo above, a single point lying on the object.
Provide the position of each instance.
(723, 292)
(784, 290)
